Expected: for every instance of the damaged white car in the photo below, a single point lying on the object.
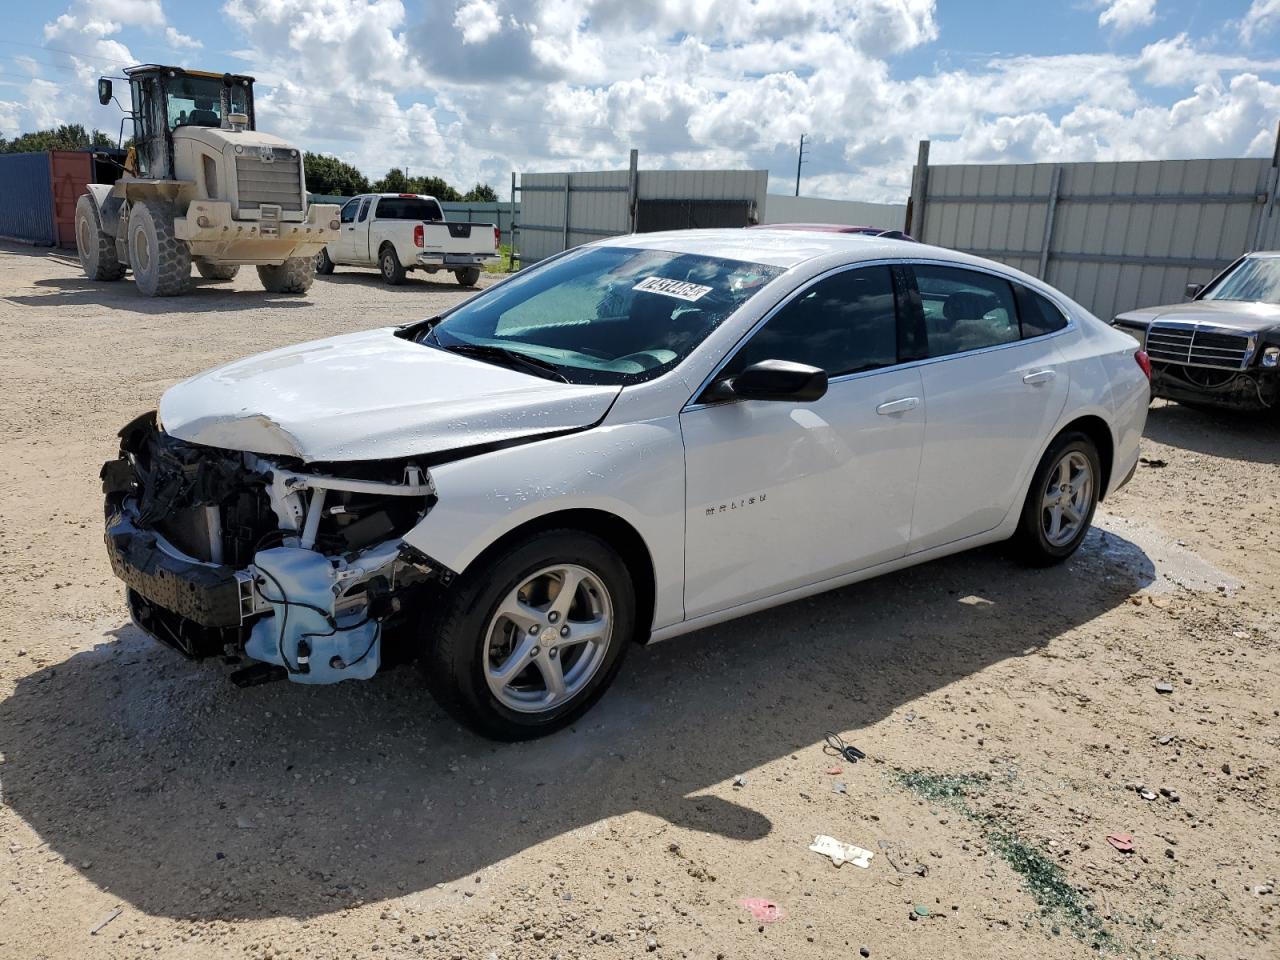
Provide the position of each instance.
(630, 441)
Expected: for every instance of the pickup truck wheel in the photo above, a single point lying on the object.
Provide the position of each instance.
(324, 265)
(295, 275)
(217, 271)
(526, 644)
(468, 277)
(389, 264)
(96, 247)
(161, 262)
(1060, 504)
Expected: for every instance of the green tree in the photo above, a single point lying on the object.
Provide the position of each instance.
(394, 182)
(66, 137)
(330, 177)
(435, 187)
(481, 193)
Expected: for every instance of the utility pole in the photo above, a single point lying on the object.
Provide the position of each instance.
(799, 163)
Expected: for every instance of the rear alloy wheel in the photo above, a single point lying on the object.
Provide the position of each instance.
(217, 271)
(468, 277)
(525, 646)
(295, 275)
(389, 264)
(1060, 504)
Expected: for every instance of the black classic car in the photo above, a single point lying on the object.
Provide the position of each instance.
(1222, 347)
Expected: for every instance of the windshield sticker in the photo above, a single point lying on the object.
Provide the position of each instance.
(680, 289)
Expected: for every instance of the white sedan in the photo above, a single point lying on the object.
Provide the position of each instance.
(630, 441)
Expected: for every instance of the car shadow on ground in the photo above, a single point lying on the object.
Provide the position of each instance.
(413, 282)
(204, 296)
(189, 798)
(1236, 435)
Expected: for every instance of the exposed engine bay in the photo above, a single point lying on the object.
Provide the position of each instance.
(234, 554)
(1252, 389)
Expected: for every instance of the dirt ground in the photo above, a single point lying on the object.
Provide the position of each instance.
(1008, 715)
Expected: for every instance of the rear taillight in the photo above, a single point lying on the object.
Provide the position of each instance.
(1143, 361)
(419, 236)
(497, 238)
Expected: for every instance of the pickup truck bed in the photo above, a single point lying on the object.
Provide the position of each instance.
(399, 232)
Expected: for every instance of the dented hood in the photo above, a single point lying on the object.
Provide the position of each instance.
(371, 396)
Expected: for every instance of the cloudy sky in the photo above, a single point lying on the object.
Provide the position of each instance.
(471, 89)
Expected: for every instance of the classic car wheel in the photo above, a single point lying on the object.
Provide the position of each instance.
(528, 642)
(1060, 504)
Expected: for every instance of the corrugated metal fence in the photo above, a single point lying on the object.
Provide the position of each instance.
(562, 210)
(26, 198)
(1113, 236)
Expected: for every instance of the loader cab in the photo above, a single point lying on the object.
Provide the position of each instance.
(164, 99)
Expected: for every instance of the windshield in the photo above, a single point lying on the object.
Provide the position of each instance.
(1256, 279)
(197, 101)
(608, 315)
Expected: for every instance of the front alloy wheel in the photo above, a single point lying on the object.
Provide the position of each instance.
(528, 638)
(548, 638)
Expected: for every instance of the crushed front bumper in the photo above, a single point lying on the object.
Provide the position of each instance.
(1253, 389)
(316, 610)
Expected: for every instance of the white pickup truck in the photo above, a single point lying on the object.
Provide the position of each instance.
(399, 232)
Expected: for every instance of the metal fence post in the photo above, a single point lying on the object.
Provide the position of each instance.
(567, 177)
(919, 189)
(1050, 210)
(511, 250)
(633, 183)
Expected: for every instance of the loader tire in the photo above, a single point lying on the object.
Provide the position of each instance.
(161, 262)
(218, 271)
(96, 247)
(295, 275)
(468, 277)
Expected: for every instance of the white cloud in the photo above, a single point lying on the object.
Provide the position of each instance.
(478, 20)
(1262, 18)
(471, 89)
(180, 41)
(1125, 15)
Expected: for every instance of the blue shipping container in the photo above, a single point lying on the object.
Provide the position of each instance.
(26, 198)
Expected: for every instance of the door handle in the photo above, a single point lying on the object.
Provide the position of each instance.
(1039, 376)
(898, 406)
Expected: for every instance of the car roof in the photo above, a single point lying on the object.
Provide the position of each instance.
(782, 248)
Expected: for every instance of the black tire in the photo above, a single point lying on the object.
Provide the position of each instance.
(217, 271)
(1032, 542)
(453, 662)
(295, 275)
(468, 277)
(324, 265)
(161, 262)
(389, 264)
(97, 248)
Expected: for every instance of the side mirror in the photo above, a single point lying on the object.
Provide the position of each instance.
(772, 380)
(1193, 290)
(104, 91)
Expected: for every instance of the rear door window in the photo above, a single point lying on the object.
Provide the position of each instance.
(364, 210)
(1037, 313)
(965, 310)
